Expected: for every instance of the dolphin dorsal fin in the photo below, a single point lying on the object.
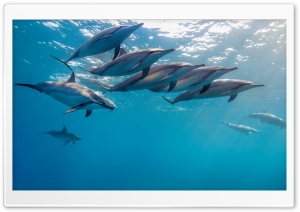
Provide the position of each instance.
(240, 123)
(72, 77)
(64, 129)
(264, 111)
(122, 52)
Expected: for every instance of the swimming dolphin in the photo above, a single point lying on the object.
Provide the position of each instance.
(242, 128)
(269, 119)
(64, 135)
(158, 75)
(196, 78)
(110, 38)
(131, 63)
(93, 83)
(218, 88)
(73, 95)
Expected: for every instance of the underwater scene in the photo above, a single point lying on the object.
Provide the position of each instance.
(149, 104)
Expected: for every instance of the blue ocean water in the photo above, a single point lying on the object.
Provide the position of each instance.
(147, 143)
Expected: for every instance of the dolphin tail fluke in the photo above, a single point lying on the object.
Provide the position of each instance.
(171, 102)
(63, 61)
(30, 86)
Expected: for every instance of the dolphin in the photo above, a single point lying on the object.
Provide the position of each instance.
(242, 128)
(158, 75)
(269, 119)
(93, 83)
(110, 38)
(218, 88)
(196, 78)
(73, 95)
(131, 63)
(64, 135)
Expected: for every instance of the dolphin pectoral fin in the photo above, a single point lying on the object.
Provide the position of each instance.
(171, 102)
(30, 86)
(232, 97)
(117, 51)
(135, 66)
(63, 61)
(145, 72)
(205, 88)
(88, 113)
(78, 107)
(67, 142)
(172, 85)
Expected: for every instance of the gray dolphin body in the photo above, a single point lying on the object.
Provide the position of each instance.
(131, 63)
(64, 135)
(241, 128)
(110, 38)
(158, 75)
(218, 88)
(73, 95)
(93, 83)
(196, 78)
(269, 119)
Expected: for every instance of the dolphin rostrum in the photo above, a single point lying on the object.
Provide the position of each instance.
(196, 78)
(268, 118)
(110, 38)
(218, 88)
(241, 128)
(73, 95)
(131, 63)
(158, 75)
(64, 135)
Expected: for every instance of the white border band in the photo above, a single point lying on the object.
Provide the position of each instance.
(147, 198)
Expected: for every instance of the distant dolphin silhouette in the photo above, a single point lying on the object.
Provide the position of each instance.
(196, 78)
(64, 135)
(242, 128)
(158, 75)
(218, 88)
(268, 118)
(130, 63)
(103, 41)
(73, 95)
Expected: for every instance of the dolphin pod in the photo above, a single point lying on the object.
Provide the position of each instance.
(241, 128)
(132, 62)
(73, 95)
(64, 135)
(268, 118)
(193, 81)
(110, 38)
(218, 88)
(158, 75)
